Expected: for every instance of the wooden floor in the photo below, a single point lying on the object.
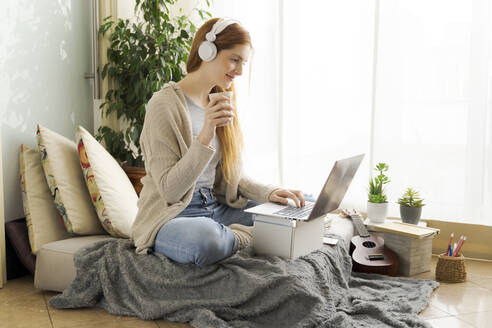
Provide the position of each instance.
(467, 304)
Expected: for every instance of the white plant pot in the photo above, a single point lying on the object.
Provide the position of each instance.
(377, 212)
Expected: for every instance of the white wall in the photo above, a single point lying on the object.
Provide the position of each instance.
(45, 49)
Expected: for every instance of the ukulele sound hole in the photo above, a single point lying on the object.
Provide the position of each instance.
(369, 244)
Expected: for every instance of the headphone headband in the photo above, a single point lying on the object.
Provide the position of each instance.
(222, 23)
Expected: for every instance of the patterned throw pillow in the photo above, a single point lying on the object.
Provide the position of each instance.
(61, 166)
(110, 188)
(44, 223)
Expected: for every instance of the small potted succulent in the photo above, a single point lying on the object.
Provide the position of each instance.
(377, 205)
(410, 206)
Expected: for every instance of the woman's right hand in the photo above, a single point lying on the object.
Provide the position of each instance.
(217, 113)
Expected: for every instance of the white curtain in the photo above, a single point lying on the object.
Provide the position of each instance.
(432, 104)
(406, 82)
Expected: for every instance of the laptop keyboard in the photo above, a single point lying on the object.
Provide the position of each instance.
(296, 212)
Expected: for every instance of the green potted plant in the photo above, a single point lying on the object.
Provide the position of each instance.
(377, 205)
(142, 57)
(410, 206)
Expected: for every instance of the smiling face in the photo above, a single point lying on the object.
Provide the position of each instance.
(228, 64)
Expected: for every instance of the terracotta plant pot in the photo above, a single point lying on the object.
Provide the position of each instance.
(135, 174)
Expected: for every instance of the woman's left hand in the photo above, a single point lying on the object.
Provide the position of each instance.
(280, 196)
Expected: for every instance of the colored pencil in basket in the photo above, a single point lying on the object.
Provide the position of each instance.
(450, 252)
(450, 240)
(460, 245)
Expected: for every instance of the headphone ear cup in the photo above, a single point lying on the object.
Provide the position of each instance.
(207, 51)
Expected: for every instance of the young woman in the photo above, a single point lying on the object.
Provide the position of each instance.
(194, 192)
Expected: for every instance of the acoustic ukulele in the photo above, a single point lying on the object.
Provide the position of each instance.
(368, 251)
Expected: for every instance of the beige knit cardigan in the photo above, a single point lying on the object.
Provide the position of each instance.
(173, 163)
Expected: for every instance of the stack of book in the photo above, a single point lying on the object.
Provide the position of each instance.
(412, 243)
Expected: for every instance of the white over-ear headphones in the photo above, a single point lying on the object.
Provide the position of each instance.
(207, 50)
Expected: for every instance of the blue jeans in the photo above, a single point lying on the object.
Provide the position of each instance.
(199, 234)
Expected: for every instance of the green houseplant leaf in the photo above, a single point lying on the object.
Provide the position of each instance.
(376, 192)
(411, 198)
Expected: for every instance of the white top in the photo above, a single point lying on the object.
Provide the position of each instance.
(197, 114)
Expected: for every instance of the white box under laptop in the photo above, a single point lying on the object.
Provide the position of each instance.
(290, 232)
(286, 237)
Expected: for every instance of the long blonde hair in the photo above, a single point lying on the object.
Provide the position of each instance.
(230, 137)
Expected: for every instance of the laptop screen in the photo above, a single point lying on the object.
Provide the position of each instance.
(336, 186)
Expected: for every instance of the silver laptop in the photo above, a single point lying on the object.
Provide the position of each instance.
(329, 199)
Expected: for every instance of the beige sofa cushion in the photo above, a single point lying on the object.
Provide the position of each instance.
(44, 223)
(59, 255)
(110, 188)
(61, 167)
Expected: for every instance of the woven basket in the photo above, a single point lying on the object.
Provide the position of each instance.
(451, 269)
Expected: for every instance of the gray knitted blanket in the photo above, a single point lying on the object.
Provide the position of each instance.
(317, 290)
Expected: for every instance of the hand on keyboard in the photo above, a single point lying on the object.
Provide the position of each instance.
(282, 196)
